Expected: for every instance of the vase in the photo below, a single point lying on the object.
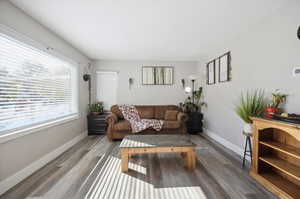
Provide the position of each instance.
(248, 127)
(271, 111)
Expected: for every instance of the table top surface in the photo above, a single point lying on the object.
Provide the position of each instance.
(149, 141)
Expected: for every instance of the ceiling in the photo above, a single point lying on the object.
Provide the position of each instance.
(179, 30)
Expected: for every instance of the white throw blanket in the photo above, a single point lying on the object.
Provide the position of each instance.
(137, 124)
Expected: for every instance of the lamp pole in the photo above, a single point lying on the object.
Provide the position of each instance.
(193, 84)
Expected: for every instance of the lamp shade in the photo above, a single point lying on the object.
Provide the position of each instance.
(192, 77)
(187, 89)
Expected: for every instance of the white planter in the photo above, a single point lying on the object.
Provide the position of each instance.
(248, 128)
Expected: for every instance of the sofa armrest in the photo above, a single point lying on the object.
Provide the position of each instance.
(111, 119)
(182, 117)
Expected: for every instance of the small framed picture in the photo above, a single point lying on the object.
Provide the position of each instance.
(224, 67)
(211, 72)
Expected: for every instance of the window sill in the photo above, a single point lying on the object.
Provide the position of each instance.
(36, 128)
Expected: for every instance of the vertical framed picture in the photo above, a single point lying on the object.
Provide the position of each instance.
(211, 72)
(224, 67)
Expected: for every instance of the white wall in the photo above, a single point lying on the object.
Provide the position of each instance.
(261, 58)
(19, 153)
(145, 94)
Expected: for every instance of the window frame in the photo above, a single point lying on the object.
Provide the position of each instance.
(25, 130)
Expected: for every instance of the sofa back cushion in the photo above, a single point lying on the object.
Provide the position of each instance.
(160, 111)
(145, 112)
(171, 115)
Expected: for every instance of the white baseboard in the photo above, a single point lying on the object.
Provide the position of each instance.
(224, 142)
(13, 180)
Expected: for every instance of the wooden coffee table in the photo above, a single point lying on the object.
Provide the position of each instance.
(141, 144)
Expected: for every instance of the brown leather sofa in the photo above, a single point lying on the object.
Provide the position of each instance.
(118, 127)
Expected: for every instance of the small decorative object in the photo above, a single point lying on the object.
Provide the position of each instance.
(87, 78)
(274, 107)
(211, 72)
(157, 75)
(298, 33)
(251, 104)
(296, 71)
(224, 67)
(289, 117)
(130, 82)
(97, 108)
(183, 83)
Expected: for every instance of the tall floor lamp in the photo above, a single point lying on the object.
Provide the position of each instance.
(193, 79)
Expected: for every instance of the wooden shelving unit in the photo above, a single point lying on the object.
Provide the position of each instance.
(289, 150)
(284, 166)
(276, 157)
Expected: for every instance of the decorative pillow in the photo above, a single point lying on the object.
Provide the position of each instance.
(171, 115)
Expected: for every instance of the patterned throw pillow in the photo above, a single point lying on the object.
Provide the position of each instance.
(171, 115)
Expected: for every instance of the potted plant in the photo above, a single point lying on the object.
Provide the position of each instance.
(277, 99)
(194, 103)
(192, 107)
(96, 108)
(251, 104)
(198, 97)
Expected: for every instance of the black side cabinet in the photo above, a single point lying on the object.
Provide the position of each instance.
(96, 124)
(194, 123)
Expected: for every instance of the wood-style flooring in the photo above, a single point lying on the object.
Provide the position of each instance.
(91, 169)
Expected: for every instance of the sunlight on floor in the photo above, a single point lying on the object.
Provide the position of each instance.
(112, 183)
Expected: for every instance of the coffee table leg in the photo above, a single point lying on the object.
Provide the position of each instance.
(124, 160)
(191, 159)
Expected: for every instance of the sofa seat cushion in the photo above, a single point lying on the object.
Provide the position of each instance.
(171, 125)
(122, 125)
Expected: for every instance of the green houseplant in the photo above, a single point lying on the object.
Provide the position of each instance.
(96, 108)
(193, 103)
(192, 107)
(250, 104)
(278, 99)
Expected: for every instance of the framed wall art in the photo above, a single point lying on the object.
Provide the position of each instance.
(224, 68)
(211, 72)
(157, 75)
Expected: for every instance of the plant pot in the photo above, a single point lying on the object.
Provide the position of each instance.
(194, 122)
(248, 128)
(95, 113)
(270, 111)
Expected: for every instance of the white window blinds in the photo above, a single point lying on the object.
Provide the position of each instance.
(35, 87)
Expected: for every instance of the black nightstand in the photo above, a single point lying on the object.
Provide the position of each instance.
(97, 124)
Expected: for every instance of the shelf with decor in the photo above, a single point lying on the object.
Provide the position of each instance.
(276, 156)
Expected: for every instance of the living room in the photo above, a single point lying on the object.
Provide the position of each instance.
(214, 84)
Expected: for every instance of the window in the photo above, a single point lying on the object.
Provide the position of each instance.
(35, 86)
